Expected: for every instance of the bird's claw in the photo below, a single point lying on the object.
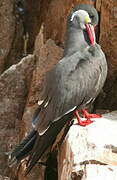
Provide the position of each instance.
(94, 116)
(88, 115)
(84, 123)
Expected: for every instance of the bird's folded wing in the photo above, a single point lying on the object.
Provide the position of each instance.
(72, 83)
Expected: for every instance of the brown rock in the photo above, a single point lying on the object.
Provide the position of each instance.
(14, 87)
(48, 55)
(6, 32)
(108, 41)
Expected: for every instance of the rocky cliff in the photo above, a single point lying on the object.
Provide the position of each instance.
(38, 28)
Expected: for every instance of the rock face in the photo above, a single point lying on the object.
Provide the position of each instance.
(44, 22)
(108, 41)
(6, 33)
(14, 87)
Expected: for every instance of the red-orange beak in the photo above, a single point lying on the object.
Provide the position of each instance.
(91, 33)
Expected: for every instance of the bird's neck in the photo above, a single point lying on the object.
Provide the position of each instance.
(76, 40)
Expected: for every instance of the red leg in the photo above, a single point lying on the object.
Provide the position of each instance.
(88, 115)
(80, 122)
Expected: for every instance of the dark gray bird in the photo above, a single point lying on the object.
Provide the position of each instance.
(69, 87)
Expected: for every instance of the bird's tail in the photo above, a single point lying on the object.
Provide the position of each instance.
(23, 149)
(45, 141)
(35, 145)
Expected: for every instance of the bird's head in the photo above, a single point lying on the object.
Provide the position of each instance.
(80, 19)
(91, 11)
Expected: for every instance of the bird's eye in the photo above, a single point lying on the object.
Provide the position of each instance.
(92, 16)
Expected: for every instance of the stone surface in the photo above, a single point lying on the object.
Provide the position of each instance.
(6, 32)
(11, 34)
(14, 87)
(90, 152)
(108, 41)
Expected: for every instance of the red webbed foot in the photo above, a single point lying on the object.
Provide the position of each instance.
(80, 122)
(88, 115)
